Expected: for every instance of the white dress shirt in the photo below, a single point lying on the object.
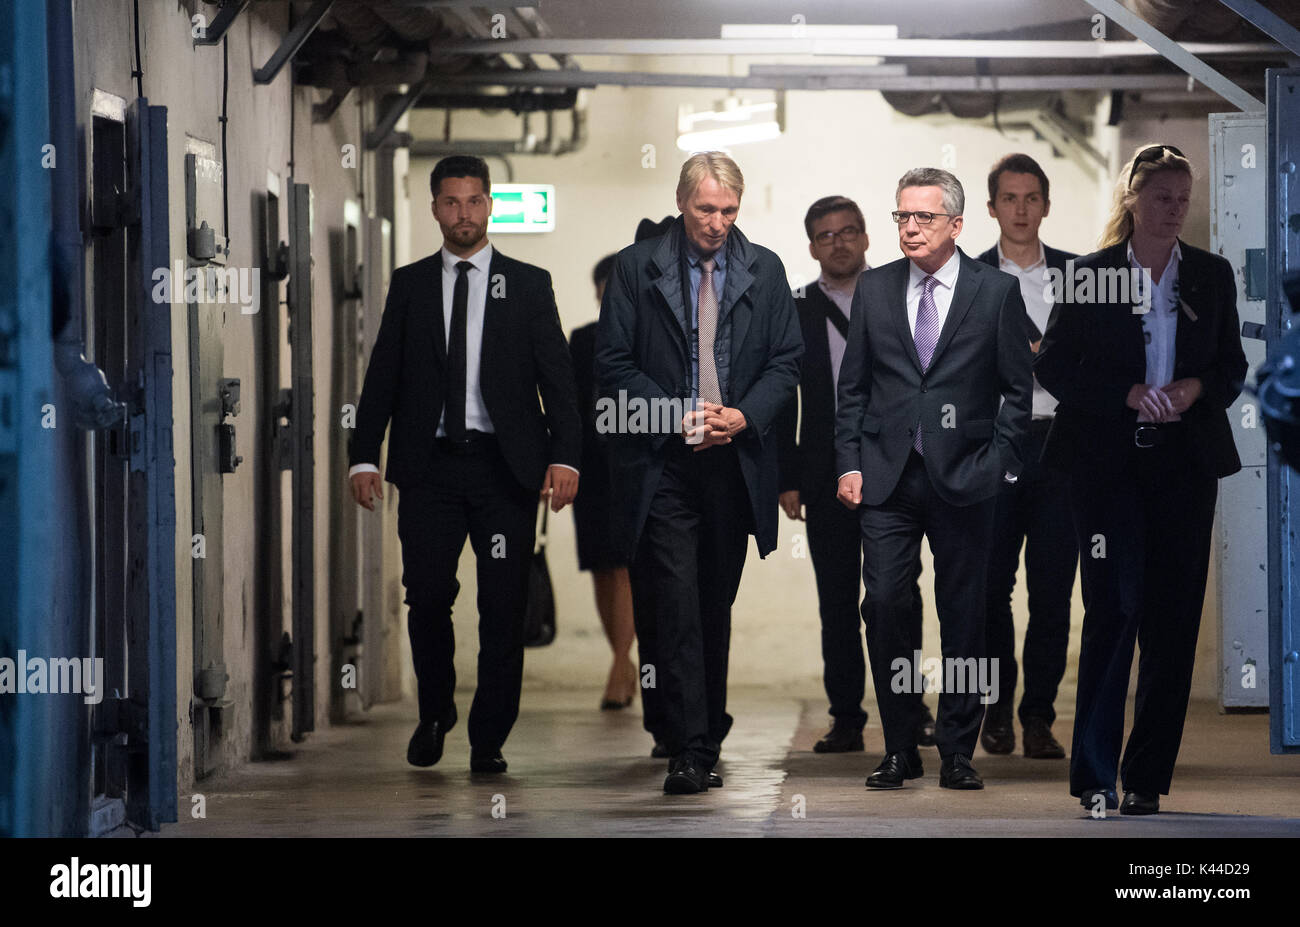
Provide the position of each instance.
(476, 414)
(1035, 294)
(942, 293)
(843, 298)
(1160, 324)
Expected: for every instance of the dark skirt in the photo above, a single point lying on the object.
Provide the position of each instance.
(601, 544)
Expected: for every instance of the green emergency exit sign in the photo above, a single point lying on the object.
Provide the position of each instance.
(522, 207)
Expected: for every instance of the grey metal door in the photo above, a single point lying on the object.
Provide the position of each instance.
(213, 399)
(301, 423)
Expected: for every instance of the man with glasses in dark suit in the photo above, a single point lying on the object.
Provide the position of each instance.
(838, 241)
(934, 398)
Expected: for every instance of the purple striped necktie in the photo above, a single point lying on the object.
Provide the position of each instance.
(926, 336)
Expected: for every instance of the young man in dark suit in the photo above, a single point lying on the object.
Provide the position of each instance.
(837, 240)
(469, 337)
(697, 315)
(1035, 510)
(934, 398)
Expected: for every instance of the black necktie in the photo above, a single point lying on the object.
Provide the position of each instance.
(455, 410)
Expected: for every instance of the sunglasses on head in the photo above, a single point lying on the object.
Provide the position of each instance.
(1150, 156)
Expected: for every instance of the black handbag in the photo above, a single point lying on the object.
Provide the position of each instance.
(539, 614)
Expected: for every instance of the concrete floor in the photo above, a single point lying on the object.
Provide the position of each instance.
(577, 771)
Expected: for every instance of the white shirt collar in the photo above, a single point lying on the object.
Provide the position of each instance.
(480, 258)
(1176, 254)
(1042, 257)
(946, 275)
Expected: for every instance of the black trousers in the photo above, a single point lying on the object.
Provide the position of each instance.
(1144, 538)
(891, 547)
(1035, 512)
(468, 493)
(835, 544)
(685, 574)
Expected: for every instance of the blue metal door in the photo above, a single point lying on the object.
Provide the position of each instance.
(1283, 256)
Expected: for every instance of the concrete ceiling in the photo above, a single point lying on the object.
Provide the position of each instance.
(693, 19)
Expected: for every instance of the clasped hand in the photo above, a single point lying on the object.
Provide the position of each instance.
(712, 425)
(1164, 403)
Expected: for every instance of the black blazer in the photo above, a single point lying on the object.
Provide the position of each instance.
(643, 348)
(808, 463)
(1093, 353)
(982, 359)
(524, 352)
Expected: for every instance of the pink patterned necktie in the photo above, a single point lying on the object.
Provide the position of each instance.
(927, 335)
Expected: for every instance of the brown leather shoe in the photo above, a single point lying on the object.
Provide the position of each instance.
(1039, 742)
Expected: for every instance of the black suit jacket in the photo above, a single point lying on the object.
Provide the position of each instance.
(643, 348)
(982, 359)
(808, 463)
(524, 352)
(1093, 353)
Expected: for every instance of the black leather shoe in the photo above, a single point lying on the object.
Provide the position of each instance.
(894, 770)
(1039, 742)
(660, 751)
(685, 778)
(998, 736)
(925, 727)
(1140, 803)
(843, 737)
(956, 772)
(1089, 799)
(425, 747)
(492, 762)
(714, 780)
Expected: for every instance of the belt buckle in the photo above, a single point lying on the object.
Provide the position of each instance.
(1137, 435)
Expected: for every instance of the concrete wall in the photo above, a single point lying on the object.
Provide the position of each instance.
(188, 81)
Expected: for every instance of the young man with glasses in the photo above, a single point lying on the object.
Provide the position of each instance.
(837, 240)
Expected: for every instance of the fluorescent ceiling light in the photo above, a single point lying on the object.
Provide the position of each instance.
(714, 139)
(806, 31)
(732, 121)
(741, 112)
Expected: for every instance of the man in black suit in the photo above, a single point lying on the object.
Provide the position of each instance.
(468, 339)
(1035, 510)
(698, 322)
(936, 342)
(838, 241)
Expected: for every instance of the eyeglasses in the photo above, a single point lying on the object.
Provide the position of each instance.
(922, 218)
(849, 234)
(1150, 156)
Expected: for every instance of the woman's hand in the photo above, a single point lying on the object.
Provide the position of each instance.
(1151, 401)
(1182, 393)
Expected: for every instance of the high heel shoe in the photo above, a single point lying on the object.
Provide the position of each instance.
(609, 704)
